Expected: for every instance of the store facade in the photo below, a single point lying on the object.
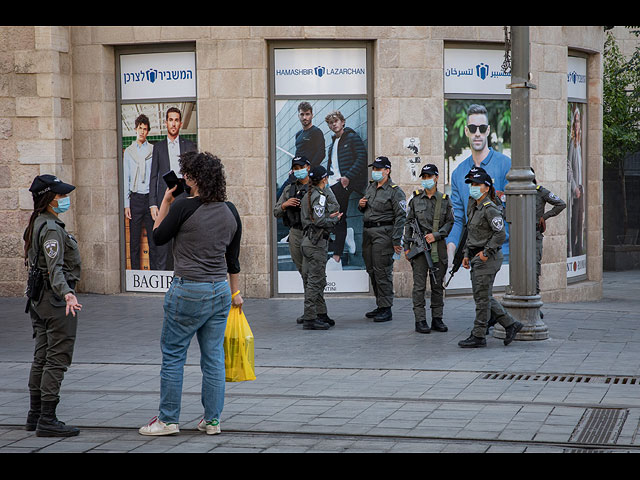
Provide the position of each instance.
(76, 96)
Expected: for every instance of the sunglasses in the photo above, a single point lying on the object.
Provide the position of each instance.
(472, 128)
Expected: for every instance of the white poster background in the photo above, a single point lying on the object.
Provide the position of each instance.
(577, 78)
(320, 71)
(475, 71)
(158, 75)
(338, 281)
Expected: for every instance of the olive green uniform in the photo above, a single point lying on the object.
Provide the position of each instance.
(384, 219)
(54, 331)
(292, 219)
(486, 232)
(316, 207)
(543, 197)
(423, 208)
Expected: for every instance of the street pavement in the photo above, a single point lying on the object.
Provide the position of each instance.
(360, 387)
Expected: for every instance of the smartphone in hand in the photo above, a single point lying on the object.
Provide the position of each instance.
(171, 179)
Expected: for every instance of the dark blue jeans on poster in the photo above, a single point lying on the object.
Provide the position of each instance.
(201, 309)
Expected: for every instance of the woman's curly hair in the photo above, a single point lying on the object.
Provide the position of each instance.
(207, 171)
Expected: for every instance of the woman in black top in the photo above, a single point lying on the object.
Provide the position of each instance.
(206, 232)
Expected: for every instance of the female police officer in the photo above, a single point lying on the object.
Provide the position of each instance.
(485, 226)
(319, 213)
(53, 309)
(434, 215)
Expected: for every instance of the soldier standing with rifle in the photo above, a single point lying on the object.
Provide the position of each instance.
(288, 208)
(486, 234)
(429, 221)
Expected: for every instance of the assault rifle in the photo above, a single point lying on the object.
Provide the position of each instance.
(419, 245)
(459, 255)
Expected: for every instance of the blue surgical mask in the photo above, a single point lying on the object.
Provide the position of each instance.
(475, 192)
(301, 174)
(376, 175)
(63, 205)
(428, 184)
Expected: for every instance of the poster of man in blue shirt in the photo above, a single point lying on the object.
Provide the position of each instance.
(493, 162)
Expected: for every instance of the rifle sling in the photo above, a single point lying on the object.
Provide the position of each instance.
(436, 226)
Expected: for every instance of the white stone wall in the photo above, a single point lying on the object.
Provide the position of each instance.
(58, 93)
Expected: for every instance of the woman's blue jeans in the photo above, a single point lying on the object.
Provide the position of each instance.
(201, 309)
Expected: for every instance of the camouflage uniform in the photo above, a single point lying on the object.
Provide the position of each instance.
(423, 208)
(53, 330)
(384, 218)
(486, 233)
(543, 197)
(316, 207)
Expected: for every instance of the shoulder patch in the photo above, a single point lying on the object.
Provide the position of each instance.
(444, 195)
(487, 203)
(417, 192)
(538, 187)
(51, 247)
(394, 185)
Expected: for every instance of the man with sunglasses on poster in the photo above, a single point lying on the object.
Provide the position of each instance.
(496, 164)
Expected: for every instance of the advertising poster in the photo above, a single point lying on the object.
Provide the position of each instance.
(153, 134)
(576, 168)
(326, 107)
(474, 77)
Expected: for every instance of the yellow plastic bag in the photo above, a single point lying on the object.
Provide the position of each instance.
(239, 355)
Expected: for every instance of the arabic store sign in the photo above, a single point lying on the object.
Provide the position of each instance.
(475, 71)
(158, 75)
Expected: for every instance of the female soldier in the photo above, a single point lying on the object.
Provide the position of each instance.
(319, 213)
(384, 206)
(53, 310)
(434, 214)
(485, 226)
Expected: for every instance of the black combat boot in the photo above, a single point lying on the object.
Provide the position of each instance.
(472, 342)
(50, 426)
(372, 313)
(422, 327)
(315, 324)
(438, 325)
(323, 317)
(34, 413)
(511, 331)
(384, 315)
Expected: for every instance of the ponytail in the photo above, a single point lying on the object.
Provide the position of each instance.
(494, 198)
(40, 205)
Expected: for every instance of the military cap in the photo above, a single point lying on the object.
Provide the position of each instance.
(429, 169)
(381, 162)
(49, 183)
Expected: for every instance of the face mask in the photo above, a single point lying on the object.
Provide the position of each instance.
(428, 184)
(301, 174)
(475, 192)
(377, 176)
(63, 205)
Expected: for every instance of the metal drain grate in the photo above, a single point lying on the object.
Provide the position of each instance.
(613, 380)
(599, 426)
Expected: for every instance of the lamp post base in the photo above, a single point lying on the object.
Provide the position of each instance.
(526, 310)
